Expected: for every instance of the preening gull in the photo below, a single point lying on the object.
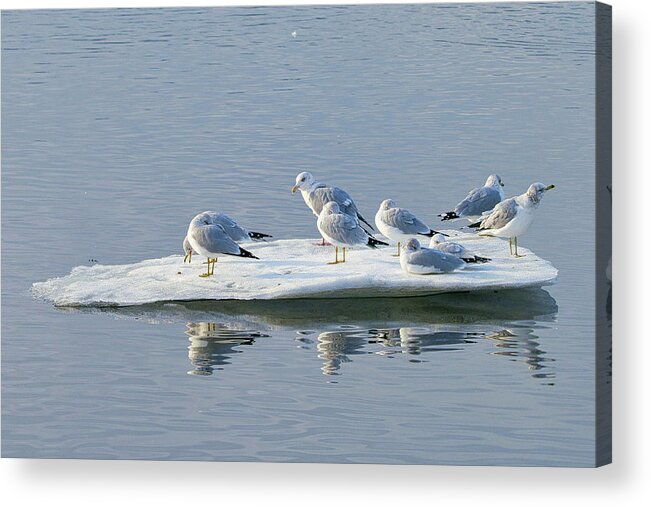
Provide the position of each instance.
(426, 261)
(513, 217)
(478, 200)
(211, 240)
(342, 230)
(438, 242)
(316, 194)
(400, 224)
(235, 231)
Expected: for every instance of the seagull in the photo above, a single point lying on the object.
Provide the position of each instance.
(316, 194)
(211, 240)
(438, 242)
(513, 217)
(478, 200)
(426, 261)
(399, 224)
(342, 230)
(232, 228)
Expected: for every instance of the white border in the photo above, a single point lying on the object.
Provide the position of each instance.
(627, 482)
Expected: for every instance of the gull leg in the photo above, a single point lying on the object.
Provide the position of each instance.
(510, 246)
(186, 257)
(190, 258)
(344, 255)
(398, 254)
(214, 261)
(207, 273)
(336, 261)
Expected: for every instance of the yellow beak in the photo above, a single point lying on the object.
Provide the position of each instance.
(549, 187)
(294, 188)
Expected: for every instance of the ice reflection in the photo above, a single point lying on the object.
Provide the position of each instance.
(342, 332)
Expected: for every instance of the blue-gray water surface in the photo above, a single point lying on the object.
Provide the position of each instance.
(119, 125)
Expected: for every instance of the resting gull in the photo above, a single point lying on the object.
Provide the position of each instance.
(438, 242)
(342, 230)
(400, 224)
(513, 217)
(478, 200)
(426, 261)
(316, 194)
(211, 240)
(235, 231)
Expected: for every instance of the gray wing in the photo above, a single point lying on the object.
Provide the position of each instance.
(501, 215)
(440, 260)
(234, 231)
(477, 201)
(320, 196)
(214, 240)
(344, 228)
(405, 221)
(451, 248)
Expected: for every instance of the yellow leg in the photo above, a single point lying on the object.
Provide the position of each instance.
(336, 261)
(398, 254)
(210, 270)
(510, 246)
(516, 248)
(207, 273)
(344, 255)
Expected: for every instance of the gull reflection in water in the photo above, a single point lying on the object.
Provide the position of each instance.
(417, 340)
(334, 347)
(212, 345)
(521, 344)
(344, 330)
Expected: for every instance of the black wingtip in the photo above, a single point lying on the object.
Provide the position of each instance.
(476, 260)
(360, 217)
(247, 254)
(450, 215)
(259, 235)
(373, 243)
(475, 225)
(432, 232)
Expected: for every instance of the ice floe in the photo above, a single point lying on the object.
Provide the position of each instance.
(291, 269)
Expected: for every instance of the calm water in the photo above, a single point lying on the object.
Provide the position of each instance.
(120, 125)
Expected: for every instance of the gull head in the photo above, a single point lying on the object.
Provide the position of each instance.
(536, 191)
(388, 204)
(304, 181)
(204, 218)
(187, 248)
(330, 208)
(494, 181)
(411, 246)
(436, 239)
